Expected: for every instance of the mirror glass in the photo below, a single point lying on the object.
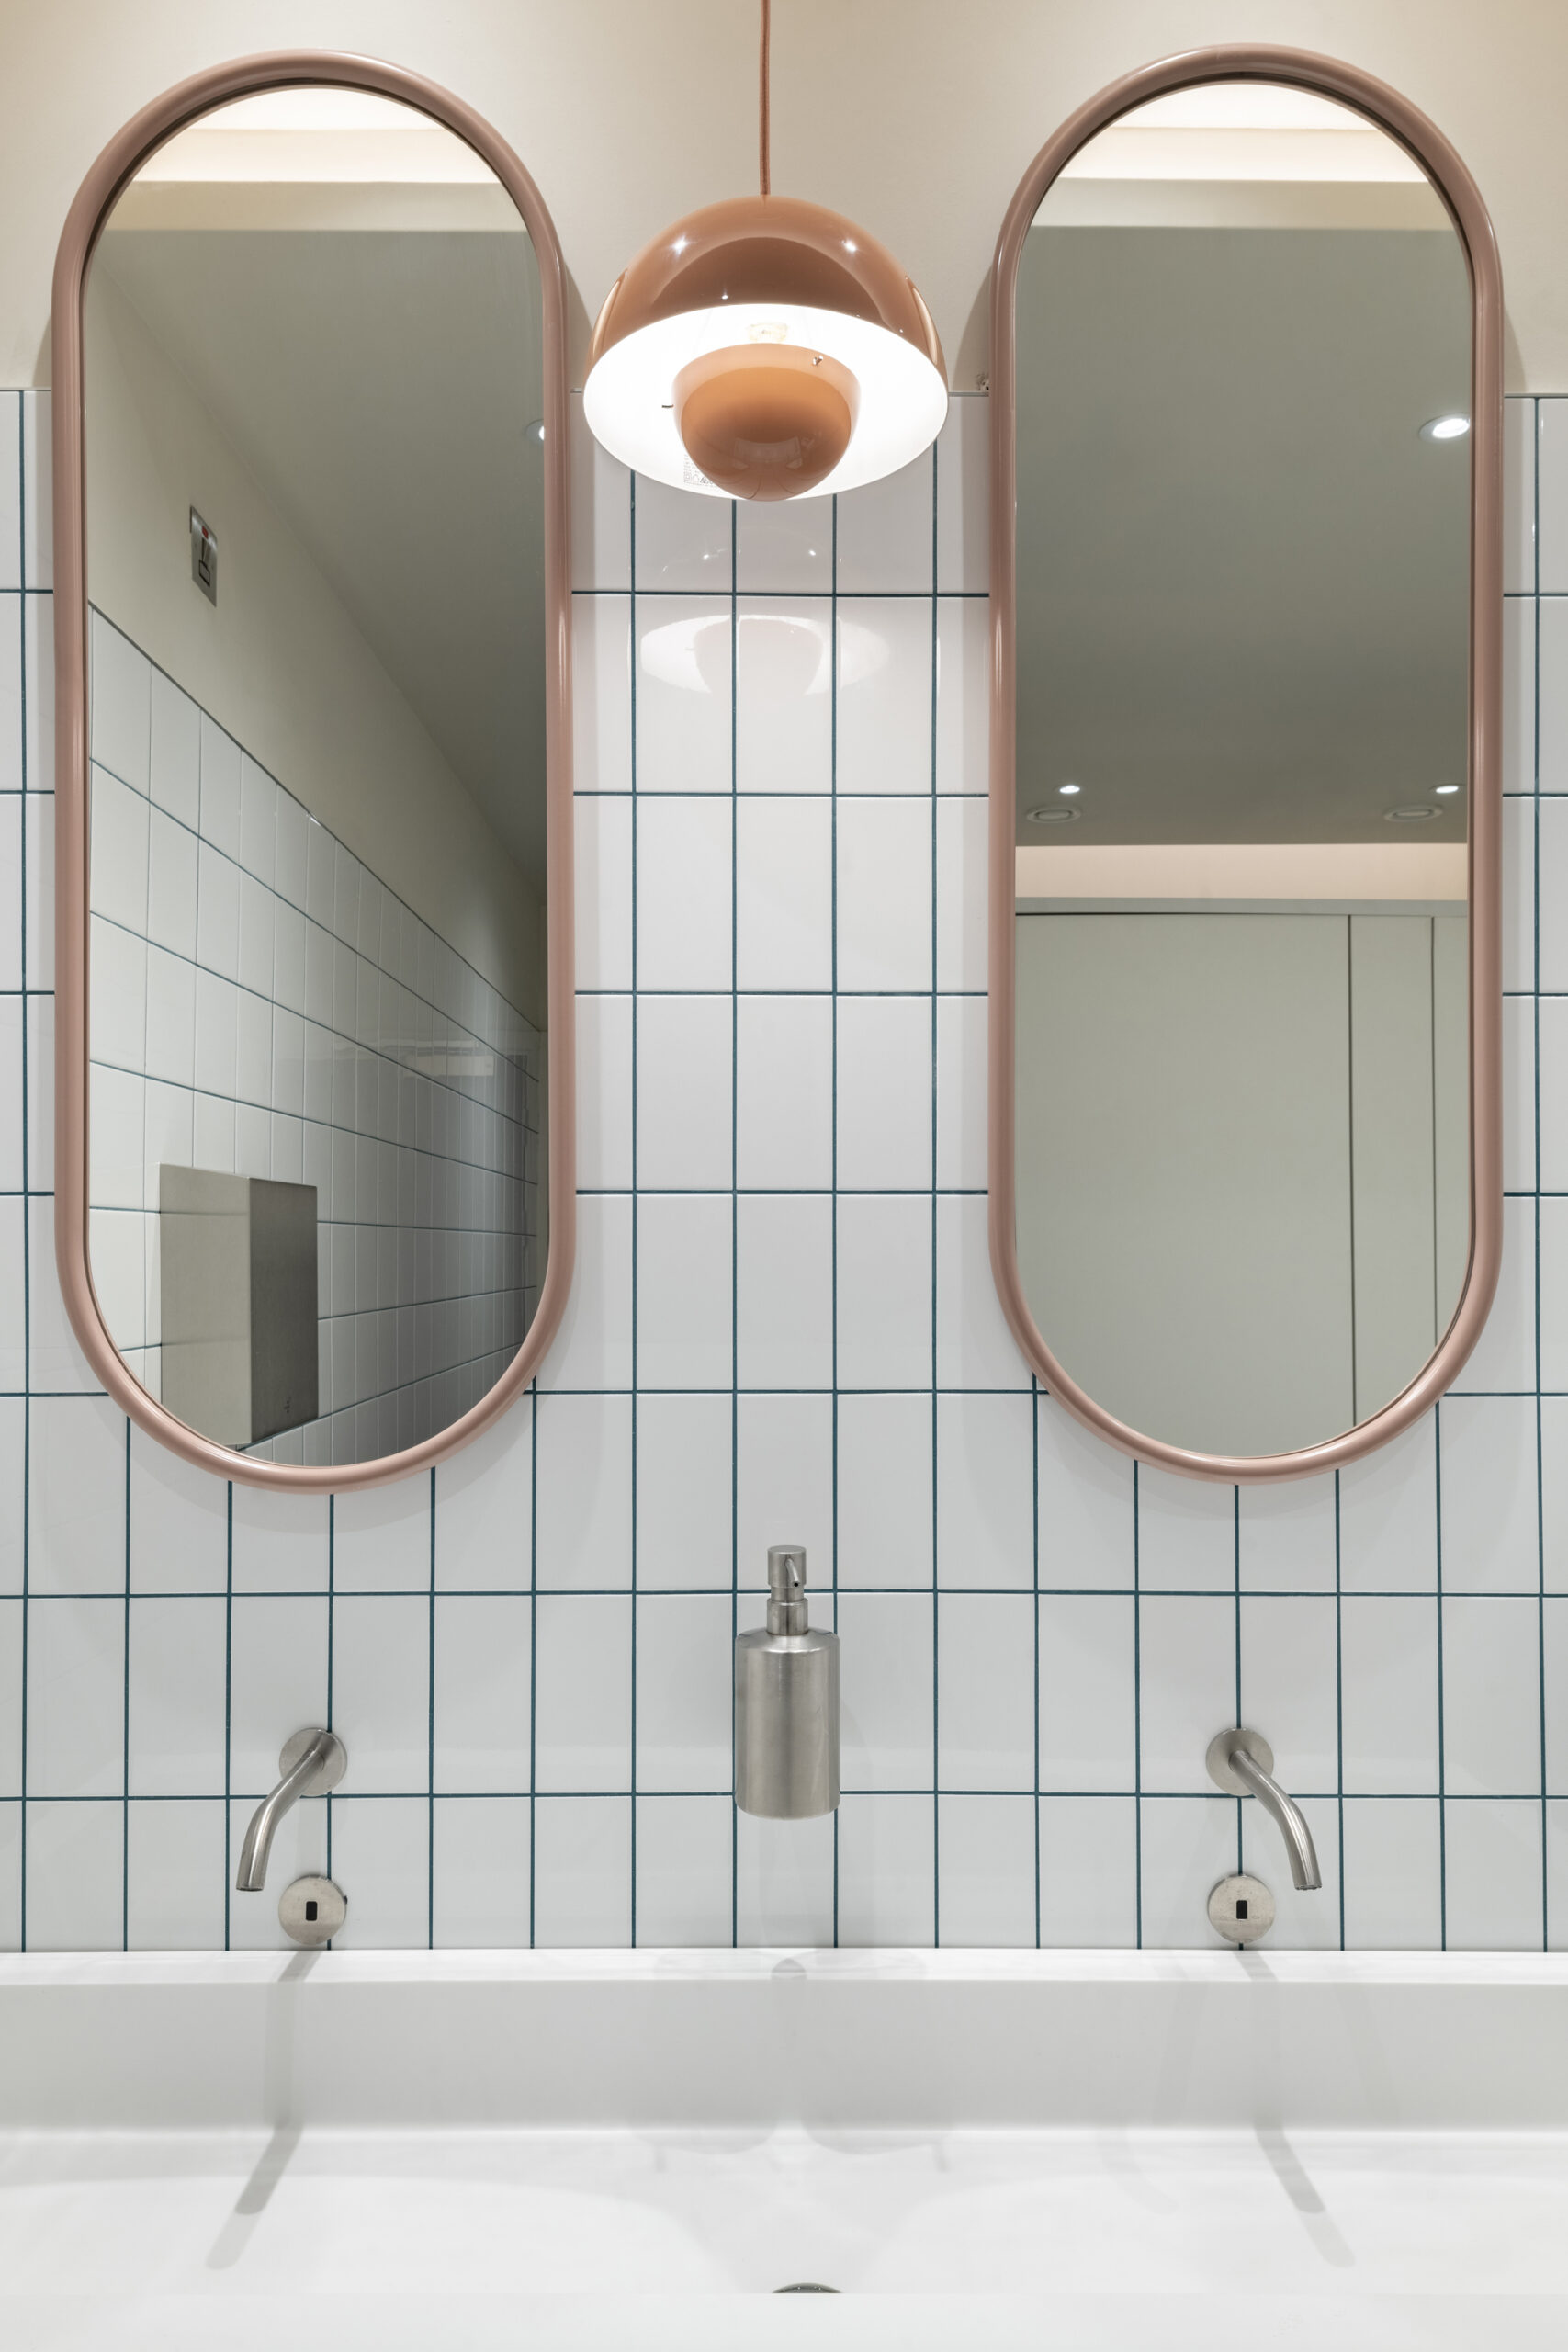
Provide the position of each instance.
(1242, 461)
(319, 1042)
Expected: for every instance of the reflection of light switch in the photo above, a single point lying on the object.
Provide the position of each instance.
(203, 558)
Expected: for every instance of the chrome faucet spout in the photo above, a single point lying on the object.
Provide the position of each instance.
(1241, 1762)
(313, 1762)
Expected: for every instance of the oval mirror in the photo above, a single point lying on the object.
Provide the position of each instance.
(1245, 1134)
(315, 1165)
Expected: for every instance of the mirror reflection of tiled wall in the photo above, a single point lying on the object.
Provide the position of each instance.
(784, 1327)
(261, 1005)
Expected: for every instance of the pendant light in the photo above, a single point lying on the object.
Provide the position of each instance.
(764, 348)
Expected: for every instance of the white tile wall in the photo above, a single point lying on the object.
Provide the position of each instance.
(264, 1005)
(782, 1326)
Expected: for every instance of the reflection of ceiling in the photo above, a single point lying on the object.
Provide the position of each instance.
(1243, 576)
(377, 386)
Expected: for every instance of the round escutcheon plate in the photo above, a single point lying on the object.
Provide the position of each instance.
(312, 1910)
(1240, 1909)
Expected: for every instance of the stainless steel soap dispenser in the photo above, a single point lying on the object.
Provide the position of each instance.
(787, 1703)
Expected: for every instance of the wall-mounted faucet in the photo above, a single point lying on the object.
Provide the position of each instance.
(1242, 1763)
(313, 1909)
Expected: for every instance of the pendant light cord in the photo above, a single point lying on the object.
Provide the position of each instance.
(764, 163)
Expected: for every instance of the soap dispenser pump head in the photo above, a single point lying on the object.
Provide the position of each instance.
(788, 1612)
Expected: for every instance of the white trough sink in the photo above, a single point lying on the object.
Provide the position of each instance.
(453, 2152)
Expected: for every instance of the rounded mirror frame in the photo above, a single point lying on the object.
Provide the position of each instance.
(1403, 123)
(120, 159)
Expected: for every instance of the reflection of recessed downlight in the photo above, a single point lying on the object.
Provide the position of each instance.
(1443, 790)
(1445, 428)
(1419, 812)
(1067, 790)
(1051, 816)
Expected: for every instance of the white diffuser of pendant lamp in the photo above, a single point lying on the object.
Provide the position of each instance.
(765, 349)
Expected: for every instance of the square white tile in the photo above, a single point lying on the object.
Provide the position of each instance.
(382, 1538)
(885, 1291)
(1290, 1684)
(581, 1694)
(280, 1541)
(784, 714)
(1552, 498)
(1185, 1844)
(962, 927)
(685, 1497)
(1490, 1500)
(1086, 1508)
(684, 1692)
(582, 1871)
(685, 656)
(887, 1869)
(1088, 1872)
(175, 1694)
(985, 1492)
(886, 704)
(76, 1673)
(886, 1670)
(679, 541)
(785, 546)
(1389, 1670)
(1087, 1728)
(784, 1303)
(1492, 1874)
(480, 1869)
(974, 1347)
(75, 1877)
(784, 1092)
(601, 510)
(1519, 431)
(381, 1852)
(784, 894)
(684, 908)
(884, 861)
(785, 1880)
(1187, 1686)
(1186, 1533)
(602, 878)
(685, 1871)
(885, 1493)
(1491, 1696)
(987, 1871)
(963, 695)
(784, 1484)
(583, 1503)
(685, 1290)
(1393, 1890)
(1288, 1536)
(381, 1691)
(885, 1093)
(964, 495)
(175, 1872)
(886, 531)
(685, 1059)
(986, 1690)
(483, 1693)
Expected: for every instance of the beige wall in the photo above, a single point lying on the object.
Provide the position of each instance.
(917, 117)
(280, 663)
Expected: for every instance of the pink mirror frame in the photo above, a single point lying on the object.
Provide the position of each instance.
(1459, 192)
(119, 163)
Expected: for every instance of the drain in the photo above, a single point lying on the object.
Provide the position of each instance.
(805, 2287)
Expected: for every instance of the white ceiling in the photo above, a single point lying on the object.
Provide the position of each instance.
(1243, 576)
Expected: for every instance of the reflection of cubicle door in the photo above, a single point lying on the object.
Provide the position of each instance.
(1237, 1149)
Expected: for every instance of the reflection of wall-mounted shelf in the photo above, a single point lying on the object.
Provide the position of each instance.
(238, 1289)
